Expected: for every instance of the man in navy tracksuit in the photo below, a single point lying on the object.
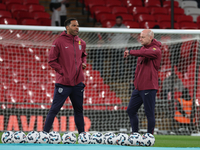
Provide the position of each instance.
(146, 79)
(68, 58)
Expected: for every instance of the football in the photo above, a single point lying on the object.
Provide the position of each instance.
(97, 138)
(31, 137)
(84, 138)
(110, 138)
(7, 137)
(122, 139)
(54, 137)
(43, 137)
(69, 138)
(19, 137)
(147, 139)
(134, 139)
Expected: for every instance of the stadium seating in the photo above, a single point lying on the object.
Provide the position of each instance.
(189, 4)
(29, 22)
(95, 3)
(21, 15)
(98, 11)
(10, 21)
(181, 19)
(30, 2)
(108, 24)
(188, 25)
(10, 2)
(36, 8)
(5, 14)
(44, 21)
(167, 25)
(152, 3)
(132, 24)
(148, 24)
(138, 10)
(145, 17)
(159, 10)
(38, 15)
(194, 12)
(119, 10)
(2, 6)
(127, 17)
(163, 18)
(132, 3)
(167, 4)
(113, 3)
(106, 17)
(177, 11)
(17, 7)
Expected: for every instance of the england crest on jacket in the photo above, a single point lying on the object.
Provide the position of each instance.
(80, 47)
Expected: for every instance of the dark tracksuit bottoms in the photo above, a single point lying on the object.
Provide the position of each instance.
(61, 92)
(146, 97)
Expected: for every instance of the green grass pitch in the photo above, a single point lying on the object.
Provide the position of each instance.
(170, 140)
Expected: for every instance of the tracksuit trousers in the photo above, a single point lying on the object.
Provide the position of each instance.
(61, 92)
(146, 97)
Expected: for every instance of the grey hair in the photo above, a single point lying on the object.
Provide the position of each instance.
(151, 34)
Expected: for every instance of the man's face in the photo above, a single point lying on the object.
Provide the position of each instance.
(118, 21)
(145, 38)
(73, 28)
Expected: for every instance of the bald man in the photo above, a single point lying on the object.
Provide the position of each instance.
(146, 79)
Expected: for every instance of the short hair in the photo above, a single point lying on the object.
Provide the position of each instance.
(119, 17)
(68, 21)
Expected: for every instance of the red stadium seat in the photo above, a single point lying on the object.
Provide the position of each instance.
(148, 24)
(21, 15)
(162, 18)
(188, 25)
(108, 24)
(113, 3)
(159, 11)
(30, 2)
(132, 3)
(198, 19)
(167, 4)
(2, 7)
(184, 18)
(138, 10)
(94, 11)
(5, 14)
(36, 8)
(167, 25)
(177, 11)
(152, 3)
(29, 22)
(127, 17)
(9, 2)
(106, 17)
(38, 15)
(119, 10)
(95, 3)
(8, 21)
(104, 10)
(44, 21)
(145, 17)
(100, 16)
(17, 7)
(132, 24)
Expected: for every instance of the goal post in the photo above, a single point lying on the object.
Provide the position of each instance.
(27, 81)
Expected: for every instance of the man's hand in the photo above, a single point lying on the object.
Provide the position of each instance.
(84, 65)
(126, 53)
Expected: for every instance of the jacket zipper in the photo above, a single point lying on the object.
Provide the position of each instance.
(75, 62)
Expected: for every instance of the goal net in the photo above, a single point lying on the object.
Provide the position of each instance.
(27, 81)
